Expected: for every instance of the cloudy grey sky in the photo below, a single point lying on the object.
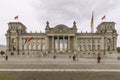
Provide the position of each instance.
(34, 14)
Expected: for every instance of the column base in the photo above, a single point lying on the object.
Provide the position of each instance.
(69, 50)
(53, 51)
(58, 51)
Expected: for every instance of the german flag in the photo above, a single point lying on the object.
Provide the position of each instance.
(103, 17)
(30, 40)
(16, 18)
(92, 22)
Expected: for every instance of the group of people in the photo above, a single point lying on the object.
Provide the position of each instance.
(75, 58)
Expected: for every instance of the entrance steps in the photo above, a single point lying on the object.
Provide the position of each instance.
(59, 55)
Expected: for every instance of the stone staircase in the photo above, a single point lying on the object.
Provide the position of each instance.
(58, 55)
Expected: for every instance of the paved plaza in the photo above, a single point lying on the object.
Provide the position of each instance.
(58, 63)
(59, 69)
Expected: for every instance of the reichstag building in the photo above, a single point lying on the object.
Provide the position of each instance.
(61, 39)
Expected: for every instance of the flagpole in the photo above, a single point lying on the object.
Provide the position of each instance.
(105, 18)
(92, 29)
(93, 34)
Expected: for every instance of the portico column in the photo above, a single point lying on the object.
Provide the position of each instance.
(53, 43)
(68, 42)
(58, 38)
(63, 42)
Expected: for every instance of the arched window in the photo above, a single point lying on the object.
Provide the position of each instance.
(13, 40)
(108, 40)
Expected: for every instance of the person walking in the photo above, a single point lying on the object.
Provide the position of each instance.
(98, 58)
(6, 57)
(74, 57)
(54, 57)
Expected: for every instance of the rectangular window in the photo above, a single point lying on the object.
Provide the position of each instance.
(88, 40)
(98, 40)
(93, 47)
(98, 47)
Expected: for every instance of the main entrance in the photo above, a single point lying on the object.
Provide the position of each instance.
(60, 43)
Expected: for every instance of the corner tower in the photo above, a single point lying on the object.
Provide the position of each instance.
(107, 29)
(14, 32)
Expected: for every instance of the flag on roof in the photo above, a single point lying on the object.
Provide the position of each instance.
(103, 17)
(16, 17)
(91, 22)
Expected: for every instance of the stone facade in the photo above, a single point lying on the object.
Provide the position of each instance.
(61, 39)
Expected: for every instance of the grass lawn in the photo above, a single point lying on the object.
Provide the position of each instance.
(7, 77)
(59, 75)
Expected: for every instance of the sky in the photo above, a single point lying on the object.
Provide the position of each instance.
(35, 13)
